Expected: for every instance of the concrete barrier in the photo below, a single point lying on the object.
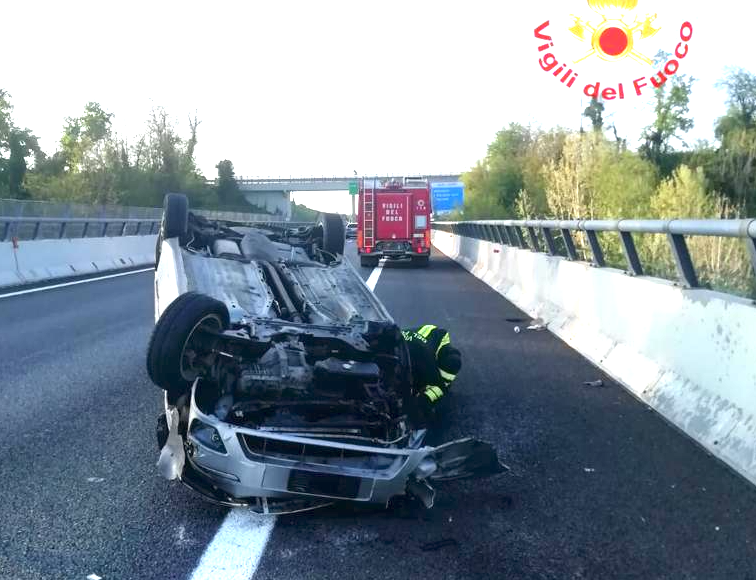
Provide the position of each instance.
(689, 354)
(40, 260)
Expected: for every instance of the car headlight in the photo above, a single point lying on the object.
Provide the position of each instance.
(207, 436)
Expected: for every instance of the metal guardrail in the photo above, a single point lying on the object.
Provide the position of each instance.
(510, 233)
(34, 228)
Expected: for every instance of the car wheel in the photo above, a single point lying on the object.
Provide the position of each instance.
(368, 261)
(333, 233)
(175, 216)
(175, 342)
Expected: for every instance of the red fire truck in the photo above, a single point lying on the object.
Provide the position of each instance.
(394, 220)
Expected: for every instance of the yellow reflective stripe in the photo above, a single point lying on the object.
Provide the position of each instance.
(444, 341)
(447, 376)
(431, 395)
(426, 330)
(434, 393)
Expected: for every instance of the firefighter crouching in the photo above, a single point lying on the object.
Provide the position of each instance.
(435, 363)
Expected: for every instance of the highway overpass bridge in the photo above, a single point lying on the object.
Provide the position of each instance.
(608, 480)
(272, 194)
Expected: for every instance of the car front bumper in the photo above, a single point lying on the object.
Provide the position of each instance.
(260, 464)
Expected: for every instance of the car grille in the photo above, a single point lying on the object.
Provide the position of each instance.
(261, 448)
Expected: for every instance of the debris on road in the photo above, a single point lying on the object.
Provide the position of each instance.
(433, 546)
(94, 577)
(589, 470)
(537, 325)
(598, 383)
(95, 479)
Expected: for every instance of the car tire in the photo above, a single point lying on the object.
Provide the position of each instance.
(333, 233)
(172, 334)
(175, 216)
(368, 261)
(420, 261)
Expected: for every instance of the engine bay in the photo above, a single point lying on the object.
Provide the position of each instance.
(352, 387)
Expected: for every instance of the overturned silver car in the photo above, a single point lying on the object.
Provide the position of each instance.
(287, 383)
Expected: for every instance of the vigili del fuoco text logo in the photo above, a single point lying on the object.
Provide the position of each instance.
(615, 33)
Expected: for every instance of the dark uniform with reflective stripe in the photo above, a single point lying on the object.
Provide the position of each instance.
(435, 362)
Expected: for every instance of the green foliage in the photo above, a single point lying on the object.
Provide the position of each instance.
(227, 189)
(302, 213)
(94, 165)
(741, 100)
(512, 173)
(530, 173)
(672, 105)
(16, 146)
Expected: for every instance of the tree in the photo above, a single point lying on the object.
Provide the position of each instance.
(84, 138)
(672, 105)
(16, 145)
(741, 100)
(731, 169)
(595, 112)
(226, 186)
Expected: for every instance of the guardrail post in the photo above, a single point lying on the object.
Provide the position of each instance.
(123, 228)
(550, 245)
(6, 229)
(520, 238)
(534, 239)
(598, 253)
(84, 231)
(498, 238)
(513, 240)
(62, 230)
(631, 254)
(36, 230)
(152, 227)
(569, 244)
(752, 252)
(139, 225)
(104, 230)
(504, 235)
(685, 268)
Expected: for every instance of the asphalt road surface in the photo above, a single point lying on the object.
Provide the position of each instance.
(600, 486)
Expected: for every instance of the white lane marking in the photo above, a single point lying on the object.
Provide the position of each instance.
(375, 274)
(237, 548)
(75, 282)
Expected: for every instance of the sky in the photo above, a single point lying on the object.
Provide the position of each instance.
(329, 87)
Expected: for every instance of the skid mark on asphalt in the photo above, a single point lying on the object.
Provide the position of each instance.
(374, 275)
(237, 548)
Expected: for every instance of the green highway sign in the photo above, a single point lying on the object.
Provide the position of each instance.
(354, 188)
